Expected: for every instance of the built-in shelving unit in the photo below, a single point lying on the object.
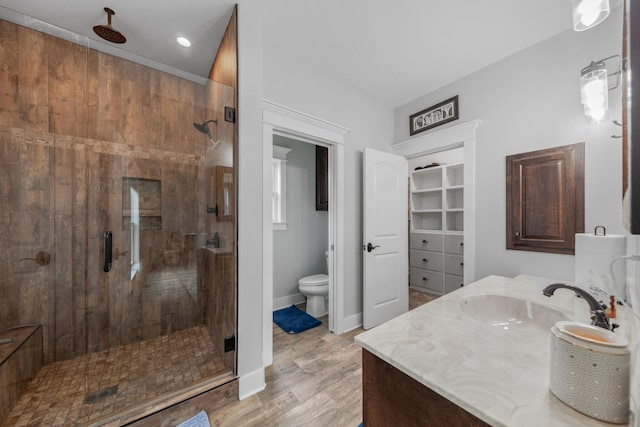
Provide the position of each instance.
(436, 241)
(437, 198)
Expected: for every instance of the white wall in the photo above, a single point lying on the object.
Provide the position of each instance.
(526, 102)
(291, 83)
(265, 72)
(251, 171)
(299, 250)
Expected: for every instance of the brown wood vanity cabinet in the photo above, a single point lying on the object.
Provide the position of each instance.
(545, 199)
(392, 398)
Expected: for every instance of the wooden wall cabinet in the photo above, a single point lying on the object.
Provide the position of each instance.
(545, 199)
(322, 178)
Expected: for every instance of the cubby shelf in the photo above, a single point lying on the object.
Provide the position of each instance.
(437, 196)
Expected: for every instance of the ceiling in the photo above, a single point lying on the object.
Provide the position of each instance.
(391, 50)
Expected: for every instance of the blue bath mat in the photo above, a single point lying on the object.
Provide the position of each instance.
(294, 320)
(200, 420)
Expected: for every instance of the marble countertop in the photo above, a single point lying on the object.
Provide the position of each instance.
(501, 378)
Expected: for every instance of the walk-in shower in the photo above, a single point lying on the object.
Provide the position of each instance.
(92, 145)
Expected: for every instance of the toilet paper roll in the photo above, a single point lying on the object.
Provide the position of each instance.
(594, 253)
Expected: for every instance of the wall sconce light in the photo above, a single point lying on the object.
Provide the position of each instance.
(595, 87)
(589, 13)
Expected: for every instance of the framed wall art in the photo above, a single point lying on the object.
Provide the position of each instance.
(436, 115)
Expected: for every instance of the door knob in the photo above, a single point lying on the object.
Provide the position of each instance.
(370, 247)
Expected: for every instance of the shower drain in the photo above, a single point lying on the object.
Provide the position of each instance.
(100, 395)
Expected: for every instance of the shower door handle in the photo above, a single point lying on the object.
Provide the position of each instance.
(108, 251)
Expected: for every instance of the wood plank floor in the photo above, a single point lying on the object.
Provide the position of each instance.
(315, 380)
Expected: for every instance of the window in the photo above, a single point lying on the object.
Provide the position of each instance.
(135, 232)
(279, 190)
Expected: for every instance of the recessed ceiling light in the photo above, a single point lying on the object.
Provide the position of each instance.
(184, 41)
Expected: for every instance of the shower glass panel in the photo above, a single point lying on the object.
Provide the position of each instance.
(91, 143)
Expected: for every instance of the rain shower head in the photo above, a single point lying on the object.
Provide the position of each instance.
(204, 128)
(107, 32)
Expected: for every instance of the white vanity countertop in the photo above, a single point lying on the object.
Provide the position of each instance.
(500, 378)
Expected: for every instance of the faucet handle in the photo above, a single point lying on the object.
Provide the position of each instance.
(600, 319)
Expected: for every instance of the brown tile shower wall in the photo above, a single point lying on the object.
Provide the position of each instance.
(73, 123)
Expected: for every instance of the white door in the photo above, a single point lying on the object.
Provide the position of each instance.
(386, 283)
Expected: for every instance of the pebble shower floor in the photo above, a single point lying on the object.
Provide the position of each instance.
(141, 371)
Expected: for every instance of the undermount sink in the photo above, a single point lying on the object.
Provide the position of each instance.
(510, 313)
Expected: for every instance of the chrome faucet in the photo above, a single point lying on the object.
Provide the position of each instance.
(598, 316)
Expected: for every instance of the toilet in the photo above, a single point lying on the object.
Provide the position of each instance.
(316, 289)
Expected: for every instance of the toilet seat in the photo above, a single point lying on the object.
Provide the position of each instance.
(315, 280)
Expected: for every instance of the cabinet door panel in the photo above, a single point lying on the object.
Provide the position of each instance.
(454, 244)
(545, 199)
(452, 282)
(453, 264)
(425, 259)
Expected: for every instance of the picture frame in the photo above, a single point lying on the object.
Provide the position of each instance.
(436, 115)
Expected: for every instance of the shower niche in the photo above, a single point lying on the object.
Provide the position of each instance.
(141, 203)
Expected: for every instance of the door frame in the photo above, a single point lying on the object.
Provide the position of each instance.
(281, 120)
(462, 135)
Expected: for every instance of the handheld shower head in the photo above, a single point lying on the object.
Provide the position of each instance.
(204, 128)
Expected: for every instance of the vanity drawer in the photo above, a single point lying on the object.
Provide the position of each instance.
(453, 264)
(453, 244)
(427, 279)
(451, 283)
(425, 242)
(426, 259)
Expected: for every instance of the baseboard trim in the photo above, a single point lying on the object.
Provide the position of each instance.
(425, 290)
(287, 301)
(251, 384)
